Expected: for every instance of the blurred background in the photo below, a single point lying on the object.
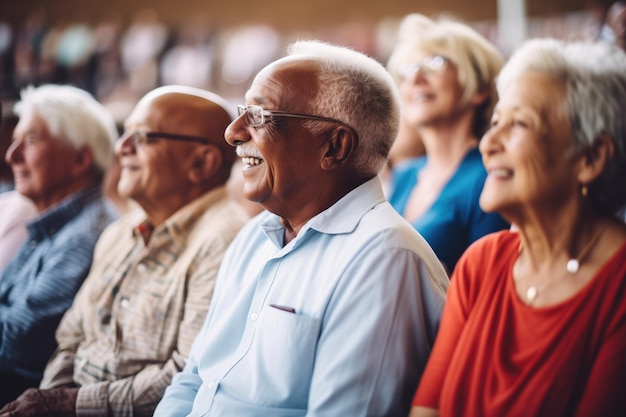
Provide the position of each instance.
(120, 49)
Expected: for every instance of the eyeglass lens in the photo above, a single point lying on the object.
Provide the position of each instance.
(430, 64)
(254, 114)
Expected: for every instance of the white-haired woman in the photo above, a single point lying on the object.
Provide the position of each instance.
(535, 320)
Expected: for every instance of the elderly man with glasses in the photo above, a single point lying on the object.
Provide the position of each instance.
(328, 302)
(134, 319)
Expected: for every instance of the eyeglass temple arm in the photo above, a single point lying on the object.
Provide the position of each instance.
(172, 136)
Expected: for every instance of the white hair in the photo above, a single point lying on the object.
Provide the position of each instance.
(594, 76)
(357, 90)
(73, 116)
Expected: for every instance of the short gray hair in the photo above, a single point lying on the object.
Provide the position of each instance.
(357, 90)
(73, 116)
(594, 76)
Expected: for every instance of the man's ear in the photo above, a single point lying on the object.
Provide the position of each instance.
(206, 161)
(342, 143)
(595, 159)
(83, 161)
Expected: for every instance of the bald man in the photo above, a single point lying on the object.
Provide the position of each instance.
(133, 321)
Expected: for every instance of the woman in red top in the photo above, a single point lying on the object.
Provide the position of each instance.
(535, 320)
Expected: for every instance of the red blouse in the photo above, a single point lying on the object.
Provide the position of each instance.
(496, 356)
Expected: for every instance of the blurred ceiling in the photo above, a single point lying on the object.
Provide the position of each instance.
(282, 14)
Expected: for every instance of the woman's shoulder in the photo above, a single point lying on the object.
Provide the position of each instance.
(501, 240)
(492, 248)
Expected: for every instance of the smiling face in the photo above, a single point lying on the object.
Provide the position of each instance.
(43, 166)
(528, 150)
(280, 158)
(156, 174)
(431, 97)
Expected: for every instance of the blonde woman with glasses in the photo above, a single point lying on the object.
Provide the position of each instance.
(445, 72)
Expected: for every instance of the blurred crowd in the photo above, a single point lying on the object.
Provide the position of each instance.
(119, 59)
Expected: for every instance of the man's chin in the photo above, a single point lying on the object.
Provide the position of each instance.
(125, 191)
(254, 196)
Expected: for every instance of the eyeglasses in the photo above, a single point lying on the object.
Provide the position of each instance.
(139, 138)
(431, 64)
(256, 116)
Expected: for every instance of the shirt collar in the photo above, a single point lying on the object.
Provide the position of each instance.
(54, 218)
(179, 224)
(341, 217)
(345, 214)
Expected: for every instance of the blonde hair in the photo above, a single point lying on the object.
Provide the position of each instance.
(476, 59)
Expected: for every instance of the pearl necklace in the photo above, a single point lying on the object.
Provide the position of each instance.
(572, 266)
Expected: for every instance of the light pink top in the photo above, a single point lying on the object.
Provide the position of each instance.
(15, 212)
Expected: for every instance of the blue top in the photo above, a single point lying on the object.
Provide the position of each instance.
(338, 322)
(40, 282)
(455, 219)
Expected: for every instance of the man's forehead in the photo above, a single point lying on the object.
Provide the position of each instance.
(288, 77)
(166, 100)
(295, 63)
(31, 120)
(171, 105)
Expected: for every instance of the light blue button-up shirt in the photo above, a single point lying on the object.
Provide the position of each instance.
(338, 322)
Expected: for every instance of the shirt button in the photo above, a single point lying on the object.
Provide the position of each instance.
(124, 302)
(211, 385)
(141, 268)
(254, 316)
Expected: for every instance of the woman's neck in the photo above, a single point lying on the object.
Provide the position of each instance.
(447, 144)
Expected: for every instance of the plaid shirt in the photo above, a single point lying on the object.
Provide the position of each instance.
(133, 322)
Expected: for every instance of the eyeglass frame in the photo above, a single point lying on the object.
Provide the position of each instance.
(162, 135)
(268, 114)
(410, 70)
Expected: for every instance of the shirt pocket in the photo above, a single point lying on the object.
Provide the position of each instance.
(279, 363)
(154, 312)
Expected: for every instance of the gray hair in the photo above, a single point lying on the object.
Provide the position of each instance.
(594, 76)
(477, 60)
(357, 90)
(72, 115)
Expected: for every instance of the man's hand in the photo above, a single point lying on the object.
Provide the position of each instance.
(56, 402)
